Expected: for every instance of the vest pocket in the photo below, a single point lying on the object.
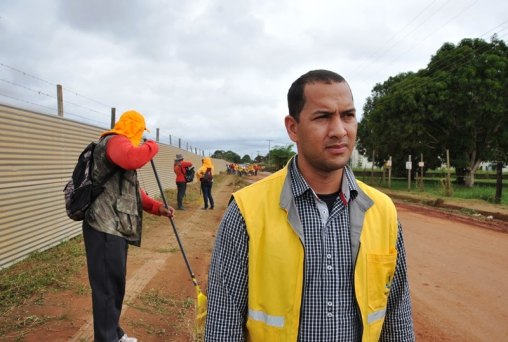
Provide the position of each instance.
(127, 210)
(380, 271)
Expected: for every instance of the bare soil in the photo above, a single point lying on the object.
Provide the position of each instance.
(456, 266)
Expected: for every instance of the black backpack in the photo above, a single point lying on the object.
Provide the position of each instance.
(189, 174)
(207, 177)
(80, 191)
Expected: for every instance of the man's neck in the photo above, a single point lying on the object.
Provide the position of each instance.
(322, 182)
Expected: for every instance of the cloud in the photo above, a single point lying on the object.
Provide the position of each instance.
(217, 72)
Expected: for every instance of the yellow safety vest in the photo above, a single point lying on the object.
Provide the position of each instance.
(276, 257)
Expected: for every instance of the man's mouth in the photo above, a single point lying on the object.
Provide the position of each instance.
(337, 148)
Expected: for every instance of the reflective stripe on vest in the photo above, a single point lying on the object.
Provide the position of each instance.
(273, 321)
(374, 316)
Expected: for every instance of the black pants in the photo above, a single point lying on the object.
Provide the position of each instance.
(182, 187)
(206, 188)
(106, 257)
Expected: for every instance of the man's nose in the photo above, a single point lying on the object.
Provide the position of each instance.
(337, 128)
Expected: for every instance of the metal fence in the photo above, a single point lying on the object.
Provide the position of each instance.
(37, 155)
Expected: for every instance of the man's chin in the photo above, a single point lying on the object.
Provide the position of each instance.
(333, 166)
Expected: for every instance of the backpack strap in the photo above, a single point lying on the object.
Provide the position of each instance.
(110, 174)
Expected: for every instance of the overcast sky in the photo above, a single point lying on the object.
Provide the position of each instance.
(216, 73)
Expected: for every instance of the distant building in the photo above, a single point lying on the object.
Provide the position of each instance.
(359, 161)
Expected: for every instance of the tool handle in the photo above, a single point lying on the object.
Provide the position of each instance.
(173, 224)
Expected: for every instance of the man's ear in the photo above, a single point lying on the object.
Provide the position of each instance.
(291, 127)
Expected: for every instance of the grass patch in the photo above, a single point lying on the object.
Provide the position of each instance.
(21, 325)
(167, 250)
(154, 301)
(41, 271)
(482, 190)
(151, 330)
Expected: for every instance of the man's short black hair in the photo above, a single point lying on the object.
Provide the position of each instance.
(296, 97)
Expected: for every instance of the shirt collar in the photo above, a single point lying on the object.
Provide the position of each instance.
(299, 186)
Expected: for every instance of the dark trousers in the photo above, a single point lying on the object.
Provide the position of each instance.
(206, 189)
(181, 187)
(106, 257)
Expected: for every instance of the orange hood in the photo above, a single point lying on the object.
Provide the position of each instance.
(131, 125)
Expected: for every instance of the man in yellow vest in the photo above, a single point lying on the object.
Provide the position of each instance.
(310, 253)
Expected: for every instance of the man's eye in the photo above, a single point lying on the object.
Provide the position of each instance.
(321, 116)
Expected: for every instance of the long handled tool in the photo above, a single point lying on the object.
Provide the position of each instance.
(201, 298)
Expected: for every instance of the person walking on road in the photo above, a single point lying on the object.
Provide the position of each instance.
(309, 253)
(114, 220)
(180, 167)
(205, 175)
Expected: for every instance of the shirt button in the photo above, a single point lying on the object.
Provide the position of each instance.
(329, 314)
(329, 256)
(329, 268)
(329, 303)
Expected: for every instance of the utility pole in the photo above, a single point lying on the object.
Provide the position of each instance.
(269, 140)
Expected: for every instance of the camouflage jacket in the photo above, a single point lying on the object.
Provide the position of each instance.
(118, 209)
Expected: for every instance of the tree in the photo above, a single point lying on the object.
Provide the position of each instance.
(473, 100)
(458, 103)
(229, 156)
(246, 159)
(280, 155)
(501, 158)
(392, 124)
(259, 159)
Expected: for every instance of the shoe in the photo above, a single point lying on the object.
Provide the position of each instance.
(181, 208)
(211, 208)
(204, 208)
(126, 338)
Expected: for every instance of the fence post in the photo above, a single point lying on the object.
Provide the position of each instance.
(390, 172)
(499, 182)
(448, 185)
(59, 96)
(408, 167)
(157, 135)
(170, 144)
(421, 172)
(113, 117)
(372, 167)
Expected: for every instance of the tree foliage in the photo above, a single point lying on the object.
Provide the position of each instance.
(280, 155)
(246, 159)
(458, 102)
(230, 156)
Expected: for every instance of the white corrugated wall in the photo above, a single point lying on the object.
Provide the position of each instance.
(37, 155)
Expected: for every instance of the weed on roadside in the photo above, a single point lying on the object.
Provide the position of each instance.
(18, 328)
(52, 269)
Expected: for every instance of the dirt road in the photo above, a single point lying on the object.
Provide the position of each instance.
(458, 278)
(457, 274)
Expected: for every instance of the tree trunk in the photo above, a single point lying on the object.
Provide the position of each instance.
(470, 173)
(499, 182)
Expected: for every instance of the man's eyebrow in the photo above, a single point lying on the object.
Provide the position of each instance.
(331, 112)
(349, 111)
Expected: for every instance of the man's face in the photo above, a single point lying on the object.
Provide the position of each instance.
(326, 132)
